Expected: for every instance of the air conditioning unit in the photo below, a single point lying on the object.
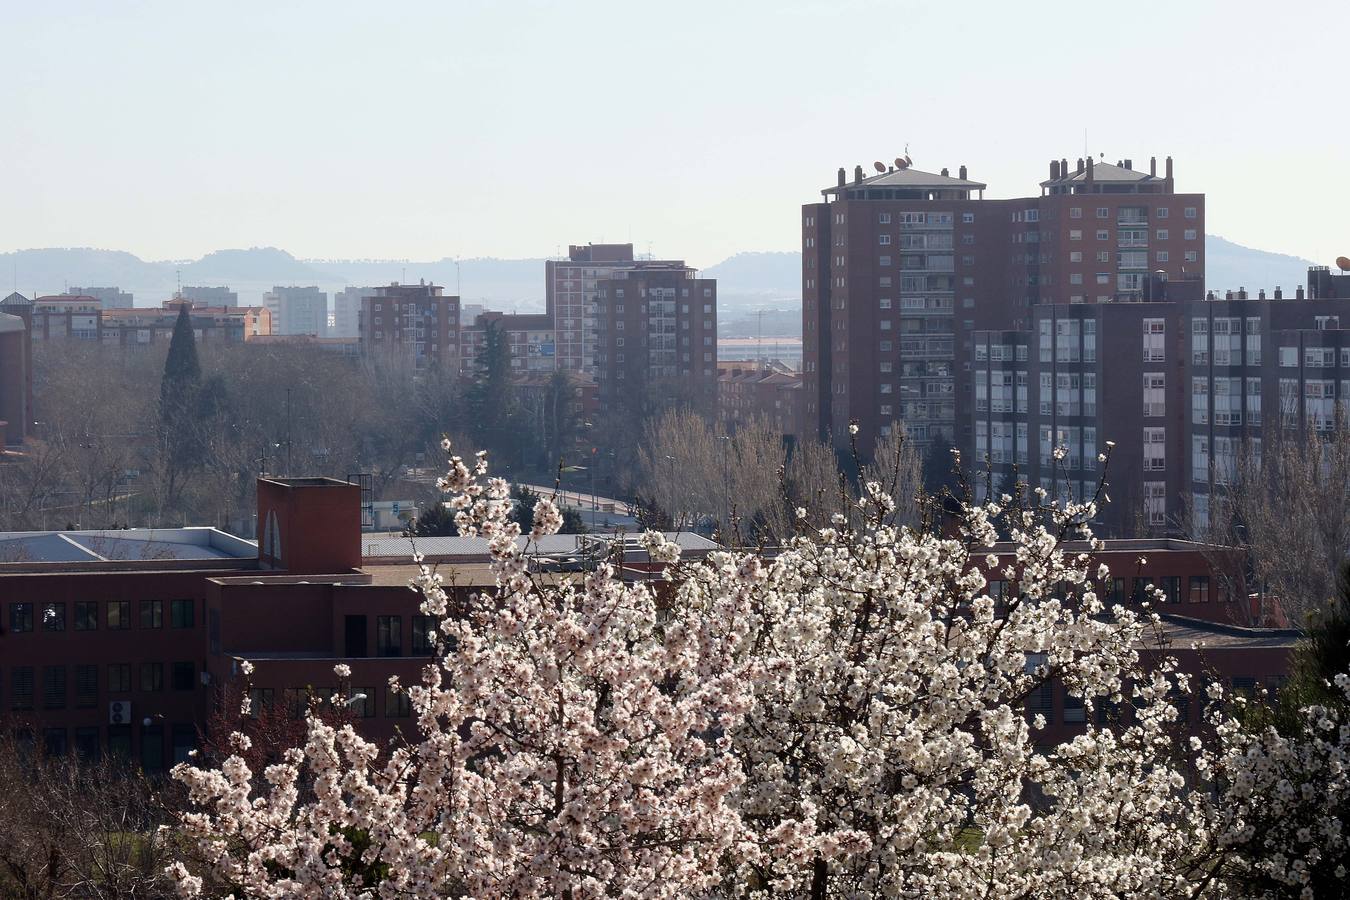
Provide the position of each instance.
(119, 712)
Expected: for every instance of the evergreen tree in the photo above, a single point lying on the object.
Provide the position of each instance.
(182, 373)
(436, 520)
(491, 401)
(938, 469)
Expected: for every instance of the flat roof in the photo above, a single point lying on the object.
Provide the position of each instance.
(380, 549)
(134, 545)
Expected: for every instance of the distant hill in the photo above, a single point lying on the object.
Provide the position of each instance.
(747, 282)
(1231, 266)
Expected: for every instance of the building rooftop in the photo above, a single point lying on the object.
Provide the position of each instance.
(16, 299)
(557, 547)
(1104, 172)
(909, 179)
(134, 545)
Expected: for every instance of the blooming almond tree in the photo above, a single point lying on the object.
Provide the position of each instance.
(572, 742)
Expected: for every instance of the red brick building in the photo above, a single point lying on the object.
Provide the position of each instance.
(16, 369)
(416, 320)
(751, 389)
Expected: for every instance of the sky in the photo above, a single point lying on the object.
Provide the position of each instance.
(424, 130)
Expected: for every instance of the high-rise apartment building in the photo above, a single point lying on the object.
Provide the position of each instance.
(529, 340)
(347, 311)
(571, 290)
(901, 268)
(110, 297)
(656, 337)
(1182, 382)
(208, 296)
(298, 310)
(413, 319)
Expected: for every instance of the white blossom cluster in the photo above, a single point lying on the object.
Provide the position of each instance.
(847, 718)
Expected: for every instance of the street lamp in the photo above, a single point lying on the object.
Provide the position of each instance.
(726, 482)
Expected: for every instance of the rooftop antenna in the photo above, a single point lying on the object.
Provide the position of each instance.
(178, 273)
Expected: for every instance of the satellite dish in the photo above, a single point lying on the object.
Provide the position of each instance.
(903, 163)
(1343, 263)
(899, 162)
(879, 166)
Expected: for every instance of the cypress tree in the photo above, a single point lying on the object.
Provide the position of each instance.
(178, 391)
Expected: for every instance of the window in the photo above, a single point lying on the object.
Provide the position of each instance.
(1075, 234)
(1155, 394)
(1199, 589)
(1155, 449)
(54, 687)
(1039, 698)
(365, 706)
(53, 617)
(181, 613)
(1154, 338)
(119, 678)
(86, 615)
(1161, 234)
(1155, 500)
(119, 614)
(396, 705)
(1190, 212)
(1074, 711)
(20, 617)
(389, 635)
(1076, 256)
(967, 218)
(1171, 588)
(1192, 256)
(1076, 212)
(152, 613)
(1103, 212)
(1162, 256)
(86, 685)
(184, 674)
(1189, 234)
(1103, 234)
(1161, 212)
(423, 635)
(21, 687)
(884, 218)
(152, 677)
(884, 239)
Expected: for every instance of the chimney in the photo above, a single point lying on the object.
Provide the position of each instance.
(1054, 170)
(1089, 168)
(843, 176)
(1170, 186)
(1209, 295)
(1153, 166)
(1298, 294)
(1063, 168)
(857, 174)
(1242, 293)
(962, 173)
(1228, 295)
(944, 172)
(1279, 294)
(1169, 167)
(1080, 165)
(1261, 294)
(1129, 164)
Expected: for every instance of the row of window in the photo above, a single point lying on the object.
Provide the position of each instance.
(56, 742)
(117, 615)
(23, 683)
(361, 701)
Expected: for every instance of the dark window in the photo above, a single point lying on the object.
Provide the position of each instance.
(1199, 589)
(119, 678)
(260, 699)
(184, 741)
(355, 636)
(119, 614)
(54, 741)
(53, 617)
(152, 748)
(423, 635)
(20, 617)
(1074, 714)
(1117, 591)
(1171, 588)
(396, 705)
(1244, 686)
(119, 741)
(152, 676)
(213, 630)
(152, 613)
(21, 687)
(1142, 592)
(1107, 713)
(365, 707)
(184, 673)
(86, 685)
(86, 615)
(86, 743)
(296, 700)
(1183, 704)
(997, 590)
(54, 687)
(389, 635)
(181, 613)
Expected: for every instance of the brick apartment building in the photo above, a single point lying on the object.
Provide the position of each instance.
(901, 268)
(656, 338)
(751, 389)
(1193, 378)
(529, 338)
(418, 320)
(73, 317)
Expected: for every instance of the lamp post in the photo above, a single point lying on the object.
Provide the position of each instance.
(726, 482)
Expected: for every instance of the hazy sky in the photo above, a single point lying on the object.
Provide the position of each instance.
(429, 129)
